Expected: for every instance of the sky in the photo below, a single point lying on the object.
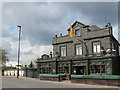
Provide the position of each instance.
(41, 21)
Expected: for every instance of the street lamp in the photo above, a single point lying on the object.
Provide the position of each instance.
(18, 50)
(56, 55)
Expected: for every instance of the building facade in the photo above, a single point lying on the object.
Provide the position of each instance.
(92, 50)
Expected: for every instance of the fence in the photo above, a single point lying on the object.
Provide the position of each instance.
(32, 73)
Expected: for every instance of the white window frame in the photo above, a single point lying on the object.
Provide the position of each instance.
(78, 49)
(63, 51)
(96, 47)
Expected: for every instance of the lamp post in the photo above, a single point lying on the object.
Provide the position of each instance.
(57, 62)
(18, 50)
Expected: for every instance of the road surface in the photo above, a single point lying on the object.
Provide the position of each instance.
(23, 82)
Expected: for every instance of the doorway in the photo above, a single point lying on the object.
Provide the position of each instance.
(79, 70)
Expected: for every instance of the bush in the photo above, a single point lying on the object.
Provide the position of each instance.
(7, 68)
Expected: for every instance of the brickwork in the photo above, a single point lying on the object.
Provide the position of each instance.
(107, 82)
(50, 78)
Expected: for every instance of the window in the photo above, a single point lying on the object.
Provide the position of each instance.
(97, 69)
(77, 32)
(63, 51)
(63, 68)
(113, 46)
(96, 47)
(78, 49)
(103, 68)
(45, 69)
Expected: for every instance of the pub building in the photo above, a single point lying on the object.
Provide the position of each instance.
(91, 51)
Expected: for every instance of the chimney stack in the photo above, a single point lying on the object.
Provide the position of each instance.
(50, 55)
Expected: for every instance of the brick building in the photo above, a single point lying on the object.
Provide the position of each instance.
(93, 50)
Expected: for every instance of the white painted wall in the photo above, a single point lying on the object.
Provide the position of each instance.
(13, 72)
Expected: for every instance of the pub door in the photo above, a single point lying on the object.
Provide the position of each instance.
(79, 70)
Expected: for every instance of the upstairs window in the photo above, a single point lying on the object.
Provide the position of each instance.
(63, 51)
(78, 48)
(96, 47)
(77, 32)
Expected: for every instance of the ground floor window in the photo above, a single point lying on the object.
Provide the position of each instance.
(63, 68)
(45, 69)
(97, 69)
(103, 68)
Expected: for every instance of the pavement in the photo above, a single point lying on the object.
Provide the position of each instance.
(25, 82)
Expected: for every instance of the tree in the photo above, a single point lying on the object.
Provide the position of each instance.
(3, 56)
(31, 65)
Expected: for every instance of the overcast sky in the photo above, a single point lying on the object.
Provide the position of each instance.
(41, 21)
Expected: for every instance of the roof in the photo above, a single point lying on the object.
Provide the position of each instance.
(75, 24)
(94, 27)
(79, 23)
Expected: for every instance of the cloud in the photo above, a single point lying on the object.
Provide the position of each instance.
(40, 21)
(12, 63)
(6, 44)
(34, 53)
(35, 20)
(45, 19)
(115, 32)
(27, 52)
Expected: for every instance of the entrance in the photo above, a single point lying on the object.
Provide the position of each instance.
(79, 70)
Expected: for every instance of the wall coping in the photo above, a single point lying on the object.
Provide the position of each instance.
(96, 76)
(48, 75)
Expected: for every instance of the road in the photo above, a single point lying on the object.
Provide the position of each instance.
(23, 82)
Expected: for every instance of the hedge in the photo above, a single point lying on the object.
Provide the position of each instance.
(8, 68)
